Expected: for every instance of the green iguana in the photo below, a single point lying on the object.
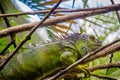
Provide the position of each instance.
(49, 58)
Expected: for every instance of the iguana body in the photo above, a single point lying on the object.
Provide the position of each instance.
(37, 63)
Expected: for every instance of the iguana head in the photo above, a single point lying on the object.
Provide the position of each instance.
(84, 42)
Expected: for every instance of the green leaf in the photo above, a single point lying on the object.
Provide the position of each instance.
(13, 23)
(3, 43)
(116, 74)
(111, 70)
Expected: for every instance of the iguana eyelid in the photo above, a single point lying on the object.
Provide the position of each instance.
(85, 50)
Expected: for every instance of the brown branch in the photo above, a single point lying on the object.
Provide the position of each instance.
(29, 35)
(104, 66)
(104, 77)
(8, 25)
(5, 19)
(57, 10)
(101, 52)
(110, 61)
(59, 19)
(117, 13)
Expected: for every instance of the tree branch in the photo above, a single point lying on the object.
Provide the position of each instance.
(59, 19)
(12, 36)
(104, 66)
(57, 10)
(117, 13)
(103, 77)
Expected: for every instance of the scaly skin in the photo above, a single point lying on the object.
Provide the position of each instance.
(36, 64)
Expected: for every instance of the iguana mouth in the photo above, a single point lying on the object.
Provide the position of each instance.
(97, 44)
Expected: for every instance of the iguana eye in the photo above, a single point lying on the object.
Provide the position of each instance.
(92, 38)
(84, 50)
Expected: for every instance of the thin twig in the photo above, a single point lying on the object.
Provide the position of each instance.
(95, 23)
(58, 10)
(110, 61)
(12, 36)
(104, 66)
(103, 77)
(87, 58)
(29, 35)
(117, 13)
(5, 19)
(59, 19)
(111, 56)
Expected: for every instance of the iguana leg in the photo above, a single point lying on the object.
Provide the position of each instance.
(73, 75)
(82, 69)
(67, 58)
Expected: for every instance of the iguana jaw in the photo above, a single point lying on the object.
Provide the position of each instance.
(94, 46)
(97, 44)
